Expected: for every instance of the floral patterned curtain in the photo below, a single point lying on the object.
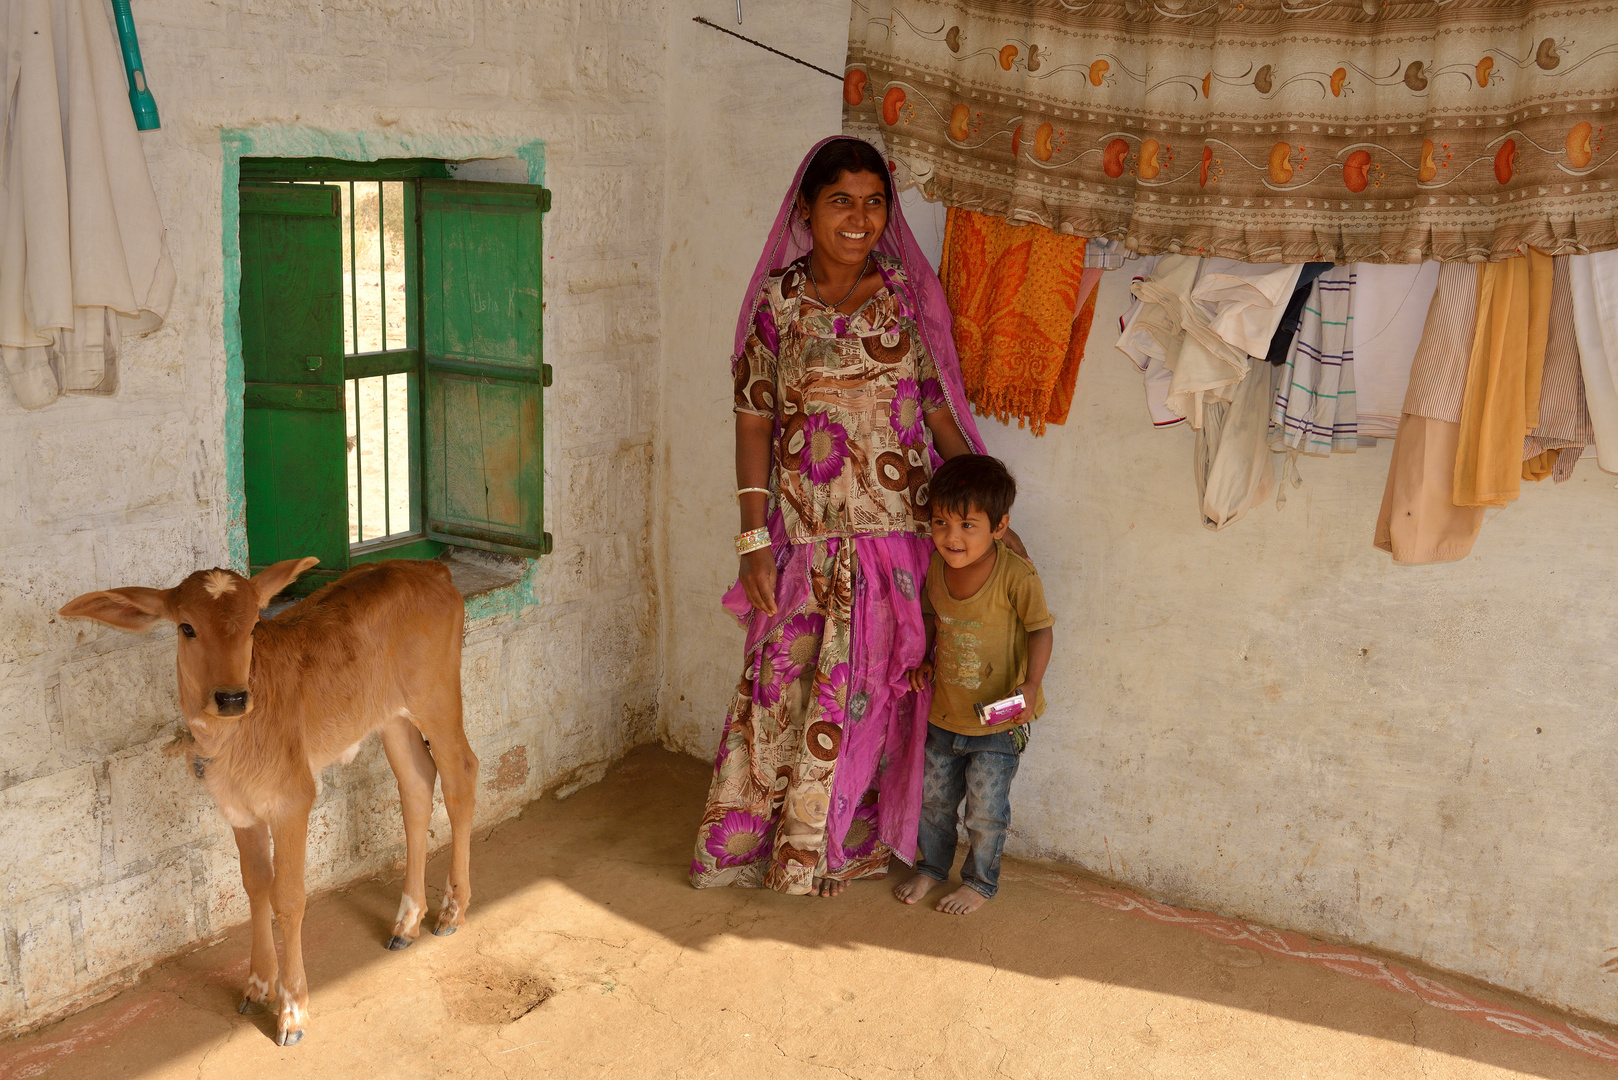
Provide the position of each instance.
(1266, 130)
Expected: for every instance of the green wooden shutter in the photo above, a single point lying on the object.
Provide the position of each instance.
(294, 430)
(481, 341)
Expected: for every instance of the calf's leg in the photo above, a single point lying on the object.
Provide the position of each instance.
(258, 878)
(440, 720)
(413, 768)
(291, 837)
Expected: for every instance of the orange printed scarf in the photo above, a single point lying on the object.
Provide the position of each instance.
(1013, 291)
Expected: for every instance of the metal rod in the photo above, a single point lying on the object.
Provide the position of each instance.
(359, 471)
(353, 283)
(766, 48)
(382, 270)
(387, 461)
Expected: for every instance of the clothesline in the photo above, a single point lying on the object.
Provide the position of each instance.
(1485, 377)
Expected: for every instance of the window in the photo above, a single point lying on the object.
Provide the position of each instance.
(391, 339)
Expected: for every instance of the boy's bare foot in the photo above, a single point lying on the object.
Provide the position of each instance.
(918, 886)
(830, 886)
(962, 901)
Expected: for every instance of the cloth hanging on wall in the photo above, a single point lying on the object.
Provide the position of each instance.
(1014, 292)
(1292, 316)
(1419, 522)
(1390, 309)
(1265, 130)
(82, 255)
(1501, 402)
(1555, 446)
(1314, 410)
(1231, 458)
(1146, 353)
(1595, 319)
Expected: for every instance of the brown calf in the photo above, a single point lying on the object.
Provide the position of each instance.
(271, 702)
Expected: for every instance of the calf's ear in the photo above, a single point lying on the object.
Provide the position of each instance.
(133, 609)
(277, 576)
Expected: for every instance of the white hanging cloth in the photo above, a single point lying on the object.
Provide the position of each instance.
(1390, 310)
(82, 256)
(1595, 319)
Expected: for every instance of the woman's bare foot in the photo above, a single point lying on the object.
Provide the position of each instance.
(918, 886)
(830, 887)
(962, 901)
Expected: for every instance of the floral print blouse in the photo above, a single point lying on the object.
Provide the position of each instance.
(850, 395)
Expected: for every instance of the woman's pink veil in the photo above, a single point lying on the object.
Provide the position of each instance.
(789, 239)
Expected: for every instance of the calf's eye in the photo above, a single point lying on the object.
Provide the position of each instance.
(185, 628)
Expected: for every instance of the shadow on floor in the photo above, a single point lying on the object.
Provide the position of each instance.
(624, 844)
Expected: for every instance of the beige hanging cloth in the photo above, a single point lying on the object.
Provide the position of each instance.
(1419, 522)
(82, 256)
(1555, 446)
(1501, 405)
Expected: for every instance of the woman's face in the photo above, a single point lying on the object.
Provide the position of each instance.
(848, 216)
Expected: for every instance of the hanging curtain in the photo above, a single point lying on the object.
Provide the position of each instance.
(82, 257)
(1262, 130)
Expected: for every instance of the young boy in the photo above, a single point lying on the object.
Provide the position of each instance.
(985, 609)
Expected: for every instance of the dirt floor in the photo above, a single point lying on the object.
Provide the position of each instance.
(587, 954)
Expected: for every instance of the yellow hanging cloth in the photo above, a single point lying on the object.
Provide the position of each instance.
(1014, 293)
(1503, 379)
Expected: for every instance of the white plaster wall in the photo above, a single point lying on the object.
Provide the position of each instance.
(743, 121)
(1274, 721)
(110, 855)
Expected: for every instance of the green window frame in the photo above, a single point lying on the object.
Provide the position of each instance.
(472, 359)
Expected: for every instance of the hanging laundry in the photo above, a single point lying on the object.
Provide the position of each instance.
(1102, 254)
(1419, 522)
(1013, 291)
(1595, 320)
(1231, 460)
(1147, 355)
(1083, 318)
(1292, 317)
(1390, 309)
(1249, 300)
(82, 256)
(1501, 403)
(1313, 410)
(1555, 446)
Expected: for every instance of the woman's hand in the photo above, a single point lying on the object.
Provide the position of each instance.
(1014, 542)
(922, 677)
(758, 578)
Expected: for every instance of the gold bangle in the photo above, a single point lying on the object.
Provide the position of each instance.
(750, 491)
(752, 540)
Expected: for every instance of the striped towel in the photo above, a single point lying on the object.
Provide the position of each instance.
(1314, 409)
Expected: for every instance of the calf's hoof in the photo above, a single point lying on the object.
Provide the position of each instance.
(246, 1005)
(288, 1038)
(444, 931)
(395, 943)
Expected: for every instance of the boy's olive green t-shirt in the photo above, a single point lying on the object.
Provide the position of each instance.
(981, 653)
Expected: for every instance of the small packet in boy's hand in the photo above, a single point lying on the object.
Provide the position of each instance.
(998, 712)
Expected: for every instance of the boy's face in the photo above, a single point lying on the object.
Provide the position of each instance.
(963, 539)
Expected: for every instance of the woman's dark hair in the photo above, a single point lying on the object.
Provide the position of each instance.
(969, 482)
(838, 157)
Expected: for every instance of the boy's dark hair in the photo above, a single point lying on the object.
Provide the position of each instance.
(838, 157)
(971, 482)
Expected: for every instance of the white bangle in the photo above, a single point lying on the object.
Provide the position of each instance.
(744, 491)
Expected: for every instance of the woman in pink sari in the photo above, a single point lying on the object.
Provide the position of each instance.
(847, 394)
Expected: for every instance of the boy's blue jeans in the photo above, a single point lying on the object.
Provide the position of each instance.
(981, 768)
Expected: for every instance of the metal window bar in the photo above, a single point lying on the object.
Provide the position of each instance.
(374, 373)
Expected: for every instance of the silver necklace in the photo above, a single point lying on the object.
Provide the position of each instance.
(816, 285)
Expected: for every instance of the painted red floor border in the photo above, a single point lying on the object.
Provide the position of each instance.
(1341, 959)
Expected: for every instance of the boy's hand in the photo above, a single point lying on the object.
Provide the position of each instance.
(922, 677)
(1030, 694)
